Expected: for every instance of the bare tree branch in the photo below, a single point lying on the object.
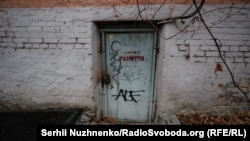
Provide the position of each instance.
(180, 30)
(229, 15)
(218, 44)
(139, 10)
(220, 54)
(159, 9)
(117, 13)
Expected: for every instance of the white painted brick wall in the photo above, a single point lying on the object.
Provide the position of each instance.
(46, 56)
(3, 44)
(67, 40)
(244, 48)
(51, 40)
(11, 45)
(7, 40)
(28, 46)
(194, 82)
(52, 45)
(34, 29)
(2, 34)
(20, 40)
(247, 54)
(212, 53)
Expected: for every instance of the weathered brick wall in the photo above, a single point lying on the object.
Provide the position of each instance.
(46, 56)
(194, 74)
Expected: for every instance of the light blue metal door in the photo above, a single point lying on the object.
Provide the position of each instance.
(129, 63)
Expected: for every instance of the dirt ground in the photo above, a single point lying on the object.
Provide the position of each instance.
(233, 118)
(21, 126)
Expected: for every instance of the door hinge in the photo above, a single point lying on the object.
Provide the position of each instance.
(157, 49)
(106, 79)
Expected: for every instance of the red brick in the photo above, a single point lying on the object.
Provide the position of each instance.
(77, 3)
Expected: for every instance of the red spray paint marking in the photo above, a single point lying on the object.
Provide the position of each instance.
(131, 58)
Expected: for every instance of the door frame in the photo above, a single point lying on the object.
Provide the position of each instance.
(103, 98)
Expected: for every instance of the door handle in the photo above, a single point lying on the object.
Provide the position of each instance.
(106, 79)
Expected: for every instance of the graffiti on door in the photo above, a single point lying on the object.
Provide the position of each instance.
(132, 75)
(124, 69)
(128, 95)
(115, 62)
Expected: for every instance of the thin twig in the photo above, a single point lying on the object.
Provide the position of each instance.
(139, 10)
(116, 11)
(220, 54)
(180, 30)
(159, 8)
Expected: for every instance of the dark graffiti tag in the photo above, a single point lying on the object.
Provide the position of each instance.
(128, 95)
(115, 63)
